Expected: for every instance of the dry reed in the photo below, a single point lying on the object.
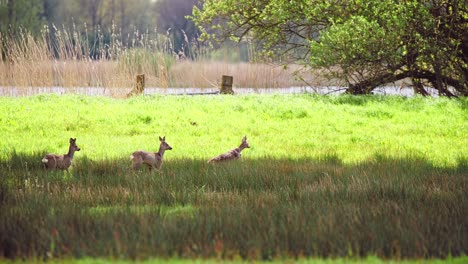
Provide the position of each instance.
(67, 60)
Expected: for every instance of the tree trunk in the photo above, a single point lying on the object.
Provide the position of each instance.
(112, 12)
(123, 27)
(358, 89)
(11, 14)
(418, 87)
(368, 85)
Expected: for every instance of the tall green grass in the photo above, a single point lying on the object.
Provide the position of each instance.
(325, 177)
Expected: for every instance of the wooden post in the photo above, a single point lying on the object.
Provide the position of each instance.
(139, 86)
(226, 85)
(140, 83)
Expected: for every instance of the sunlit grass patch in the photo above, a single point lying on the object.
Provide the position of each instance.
(164, 211)
(287, 126)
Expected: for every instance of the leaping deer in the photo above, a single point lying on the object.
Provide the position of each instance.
(150, 159)
(61, 162)
(232, 154)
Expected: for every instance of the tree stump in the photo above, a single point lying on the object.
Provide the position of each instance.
(139, 86)
(226, 85)
(140, 83)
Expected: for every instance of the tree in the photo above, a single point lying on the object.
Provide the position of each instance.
(17, 15)
(367, 43)
(172, 18)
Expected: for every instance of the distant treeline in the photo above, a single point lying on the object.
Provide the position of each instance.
(101, 20)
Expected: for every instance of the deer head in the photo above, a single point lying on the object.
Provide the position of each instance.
(73, 146)
(244, 143)
(164, 146)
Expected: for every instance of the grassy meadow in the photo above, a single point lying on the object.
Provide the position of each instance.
(325, 177)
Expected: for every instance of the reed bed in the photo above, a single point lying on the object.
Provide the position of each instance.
(65, 59)
(68, 59)
(326, 177)
(207, 74)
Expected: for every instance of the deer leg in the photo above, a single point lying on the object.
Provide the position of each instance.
(136, 165)
(150, 167)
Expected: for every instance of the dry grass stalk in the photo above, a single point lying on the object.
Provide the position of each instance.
(30, 64)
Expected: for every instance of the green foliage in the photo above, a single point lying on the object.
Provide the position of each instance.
(366, 43)
(20, 15)
(345, 39)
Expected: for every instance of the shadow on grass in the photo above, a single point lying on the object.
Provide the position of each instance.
(254, 209)
(23, 161)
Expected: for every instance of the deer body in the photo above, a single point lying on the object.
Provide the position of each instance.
(233, 154)
(61, 162)
(153, 160)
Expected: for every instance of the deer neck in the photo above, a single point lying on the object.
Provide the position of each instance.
(71, 152)
(161, 152)
(240, 148)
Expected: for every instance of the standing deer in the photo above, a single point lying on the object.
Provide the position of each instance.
(150, 159)
(232, 154)
(61, 162)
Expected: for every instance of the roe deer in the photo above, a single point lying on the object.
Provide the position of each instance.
(150, 159)
(61, 162)
(232, 154)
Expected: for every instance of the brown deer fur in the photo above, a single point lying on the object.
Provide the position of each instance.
(153, 160)
(61, 162)
(233, 154)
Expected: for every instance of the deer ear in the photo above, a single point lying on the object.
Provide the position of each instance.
(161, 139)
(245, 138)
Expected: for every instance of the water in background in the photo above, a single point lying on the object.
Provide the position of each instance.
(120, 92)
